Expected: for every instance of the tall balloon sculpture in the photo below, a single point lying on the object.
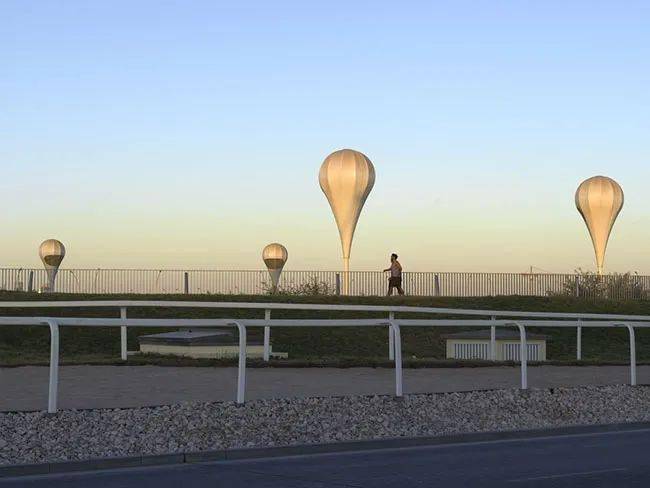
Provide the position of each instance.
(52, 253)
(275, 257)
(346, 177)
(599, 200)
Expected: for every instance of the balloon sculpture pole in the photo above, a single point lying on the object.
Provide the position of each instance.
(599, 200)
(51, 253)
(346, 178)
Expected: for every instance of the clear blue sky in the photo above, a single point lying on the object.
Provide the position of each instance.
(190, 133)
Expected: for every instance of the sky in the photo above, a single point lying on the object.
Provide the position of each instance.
(189, 134)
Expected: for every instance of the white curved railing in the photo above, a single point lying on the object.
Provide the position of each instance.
(394, 326)
(123, 305)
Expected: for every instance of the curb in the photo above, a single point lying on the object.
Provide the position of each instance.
(17, 470)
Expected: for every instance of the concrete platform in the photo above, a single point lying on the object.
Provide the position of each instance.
(213, 344)
(25, 388)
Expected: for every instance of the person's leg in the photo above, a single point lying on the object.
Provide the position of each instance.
(399, 287)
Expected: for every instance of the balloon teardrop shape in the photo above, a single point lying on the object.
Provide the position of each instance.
(346, 178)
(599, 200)
(275, 257)
(51, 253)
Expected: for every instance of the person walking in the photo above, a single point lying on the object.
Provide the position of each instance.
(395, 279)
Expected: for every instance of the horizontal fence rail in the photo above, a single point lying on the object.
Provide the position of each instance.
(518, 319)
(362, 283)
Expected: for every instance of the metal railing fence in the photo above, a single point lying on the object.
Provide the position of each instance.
(362, 283)
(519, 319)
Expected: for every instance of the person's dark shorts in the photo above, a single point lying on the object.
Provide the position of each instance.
(394, 282)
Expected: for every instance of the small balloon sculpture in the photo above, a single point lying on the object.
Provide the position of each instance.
(51, 253)
(275, 257)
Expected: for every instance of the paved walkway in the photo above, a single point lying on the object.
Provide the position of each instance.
(25, 388)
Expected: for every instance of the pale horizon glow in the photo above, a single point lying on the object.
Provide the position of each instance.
(190, 134)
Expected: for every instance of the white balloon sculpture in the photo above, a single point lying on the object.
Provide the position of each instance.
(275, 257)
(51, 253)
(346, 177)
(599, 200)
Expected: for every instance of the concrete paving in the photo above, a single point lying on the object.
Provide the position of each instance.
(25, 388)
(616, 459)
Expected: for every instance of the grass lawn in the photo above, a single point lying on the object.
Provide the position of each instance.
(346, 346)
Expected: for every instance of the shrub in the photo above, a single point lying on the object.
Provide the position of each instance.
(617, 286)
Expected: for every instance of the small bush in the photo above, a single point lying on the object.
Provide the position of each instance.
(586, 284)
(313, 287)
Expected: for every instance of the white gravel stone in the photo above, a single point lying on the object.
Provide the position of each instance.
(35, 437)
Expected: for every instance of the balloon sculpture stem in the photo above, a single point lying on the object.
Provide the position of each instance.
(346, 276)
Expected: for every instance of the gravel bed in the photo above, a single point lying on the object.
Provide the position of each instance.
(35, 437)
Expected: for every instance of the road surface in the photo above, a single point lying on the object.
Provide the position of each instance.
(613, 459)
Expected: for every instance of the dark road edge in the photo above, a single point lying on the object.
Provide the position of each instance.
(16, 470)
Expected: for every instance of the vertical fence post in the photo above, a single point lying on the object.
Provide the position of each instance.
(338, 284)
(30, 281)
(493, 342)
(187, 283)
(577, 285)
(241, 366)
(398, 359)
(579, 342)
(123, 341)
(436, 286)
(53, 389)
(391, 338)
(523, 356)
(267, 336)
(630, 328)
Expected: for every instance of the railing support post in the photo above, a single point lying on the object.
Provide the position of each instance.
(241, 366)
(579, 342)
(391, 338)
(630, 328)
(523, 356)
(53, 390)
(398, 358)
(493, 342)
(123, 340)
(267, 337)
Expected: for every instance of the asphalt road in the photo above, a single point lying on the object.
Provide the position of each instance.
(616, 459)
(25, 388)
